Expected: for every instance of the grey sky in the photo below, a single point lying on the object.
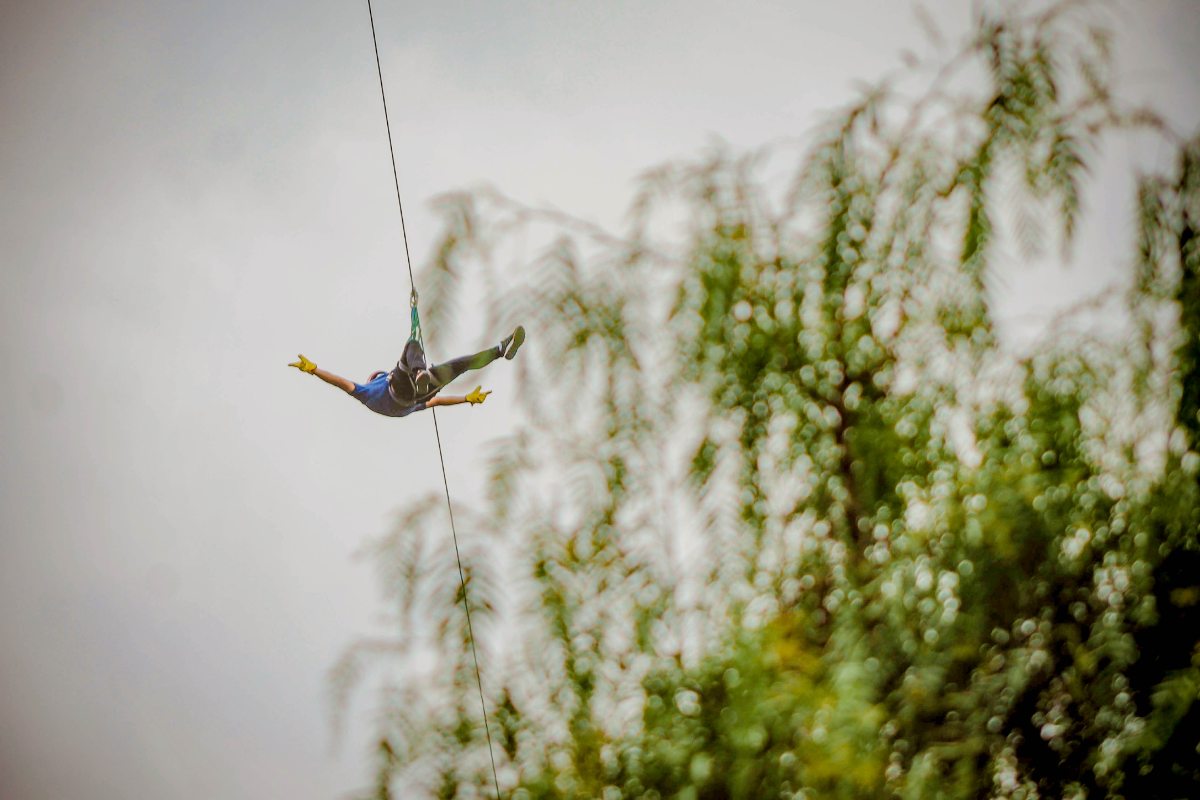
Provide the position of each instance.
(192, 193)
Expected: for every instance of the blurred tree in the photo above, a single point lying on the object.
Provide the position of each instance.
(787, 520)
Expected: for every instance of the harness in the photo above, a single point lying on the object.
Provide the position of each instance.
(417, 397)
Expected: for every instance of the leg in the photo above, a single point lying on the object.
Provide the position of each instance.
(413, 358)
(403, 379)
(444, 373)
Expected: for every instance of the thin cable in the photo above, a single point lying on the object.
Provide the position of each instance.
(437, 432)
(466, 606)
(395, 176)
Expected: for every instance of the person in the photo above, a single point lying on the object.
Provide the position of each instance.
(413, 385)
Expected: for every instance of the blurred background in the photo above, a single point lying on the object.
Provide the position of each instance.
(194, 193)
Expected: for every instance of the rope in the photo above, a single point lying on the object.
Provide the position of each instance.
(391, 150)
(437, 432)
(466, 606)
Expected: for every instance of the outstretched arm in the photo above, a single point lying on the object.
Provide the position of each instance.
(304, 365)
(345, 384)
(475, 397)
(444, 401)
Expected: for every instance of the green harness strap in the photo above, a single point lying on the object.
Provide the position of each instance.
(414, 333)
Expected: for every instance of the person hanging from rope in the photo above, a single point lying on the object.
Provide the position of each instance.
(413, 385)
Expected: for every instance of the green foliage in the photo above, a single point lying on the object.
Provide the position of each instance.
(786, 519)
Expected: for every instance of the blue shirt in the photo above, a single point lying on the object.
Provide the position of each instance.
(375, 396)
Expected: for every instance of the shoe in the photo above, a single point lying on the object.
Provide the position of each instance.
(423, 381)
(511, 343)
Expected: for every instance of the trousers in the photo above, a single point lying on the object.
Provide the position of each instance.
(412, 380)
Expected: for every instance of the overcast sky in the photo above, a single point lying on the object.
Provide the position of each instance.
(190, 193)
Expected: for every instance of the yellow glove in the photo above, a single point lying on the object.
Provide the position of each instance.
(476, 397)
(304, 365)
